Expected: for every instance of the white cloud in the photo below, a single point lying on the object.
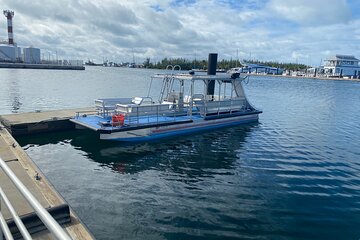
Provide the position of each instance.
(312, 12)
(151, 28)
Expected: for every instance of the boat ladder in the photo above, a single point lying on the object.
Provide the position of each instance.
(168, 81)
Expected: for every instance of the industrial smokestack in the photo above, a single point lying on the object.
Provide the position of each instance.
(9, 15)
(212, 63)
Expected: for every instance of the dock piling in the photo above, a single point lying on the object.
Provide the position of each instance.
(212, 64)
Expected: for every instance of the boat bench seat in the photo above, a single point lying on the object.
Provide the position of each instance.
(143, 110)
(106, 105)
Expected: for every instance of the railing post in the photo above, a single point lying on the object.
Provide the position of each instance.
(137, 114)
(1, 234)
(1, 218)
(4, 229)
(44, 215)
(20, 225)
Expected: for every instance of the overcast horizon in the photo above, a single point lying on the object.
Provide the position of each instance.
(303, 31)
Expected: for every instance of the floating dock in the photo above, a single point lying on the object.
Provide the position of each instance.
(22, 124)
(41, 66)
(32, 177)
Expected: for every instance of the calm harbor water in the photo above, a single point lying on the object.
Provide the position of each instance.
(293, 175)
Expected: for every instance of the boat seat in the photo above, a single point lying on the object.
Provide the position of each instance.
(141, 100)
(143, 110)
(137, 100)
(106, 105)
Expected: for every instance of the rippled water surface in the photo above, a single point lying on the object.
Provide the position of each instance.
(293, 175)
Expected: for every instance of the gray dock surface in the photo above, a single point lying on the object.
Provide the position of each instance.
(25, 169)
(39, 122)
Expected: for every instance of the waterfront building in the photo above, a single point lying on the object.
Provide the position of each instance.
(342, 65)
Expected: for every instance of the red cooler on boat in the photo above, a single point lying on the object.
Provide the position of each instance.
(118, 119)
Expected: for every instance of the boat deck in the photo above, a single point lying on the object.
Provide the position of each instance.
(96, 122)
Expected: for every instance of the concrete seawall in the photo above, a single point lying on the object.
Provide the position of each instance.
(40, 66)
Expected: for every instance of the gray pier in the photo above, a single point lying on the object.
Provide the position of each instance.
(31, 176)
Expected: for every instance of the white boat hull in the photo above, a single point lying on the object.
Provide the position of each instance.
(145, 134)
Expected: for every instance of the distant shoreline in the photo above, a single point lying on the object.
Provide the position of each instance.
(40, 66)
(320, 78)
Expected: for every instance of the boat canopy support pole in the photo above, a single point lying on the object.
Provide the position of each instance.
(148, 95)
(219, 97)
(191, 98)
(231, 96)
(181, 96)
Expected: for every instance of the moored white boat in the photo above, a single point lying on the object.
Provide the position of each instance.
(213, 101)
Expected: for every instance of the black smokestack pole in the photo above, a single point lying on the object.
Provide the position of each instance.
(212, 62)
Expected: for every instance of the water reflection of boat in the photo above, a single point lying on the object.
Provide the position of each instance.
(213, 101)
(193, 156)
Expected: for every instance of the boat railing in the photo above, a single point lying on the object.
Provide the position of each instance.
(143, 113)
(141, 110)
(150, 114)
(41, 212)
(221, 106)
(84, 113)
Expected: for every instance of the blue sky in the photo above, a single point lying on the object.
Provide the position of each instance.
(304, 31)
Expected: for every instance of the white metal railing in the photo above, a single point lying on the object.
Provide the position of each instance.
(4, 228)
(45, 217)
(24, 232)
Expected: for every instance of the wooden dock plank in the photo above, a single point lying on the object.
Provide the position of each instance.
(17, 200)
(5, 154)
(25, 169)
